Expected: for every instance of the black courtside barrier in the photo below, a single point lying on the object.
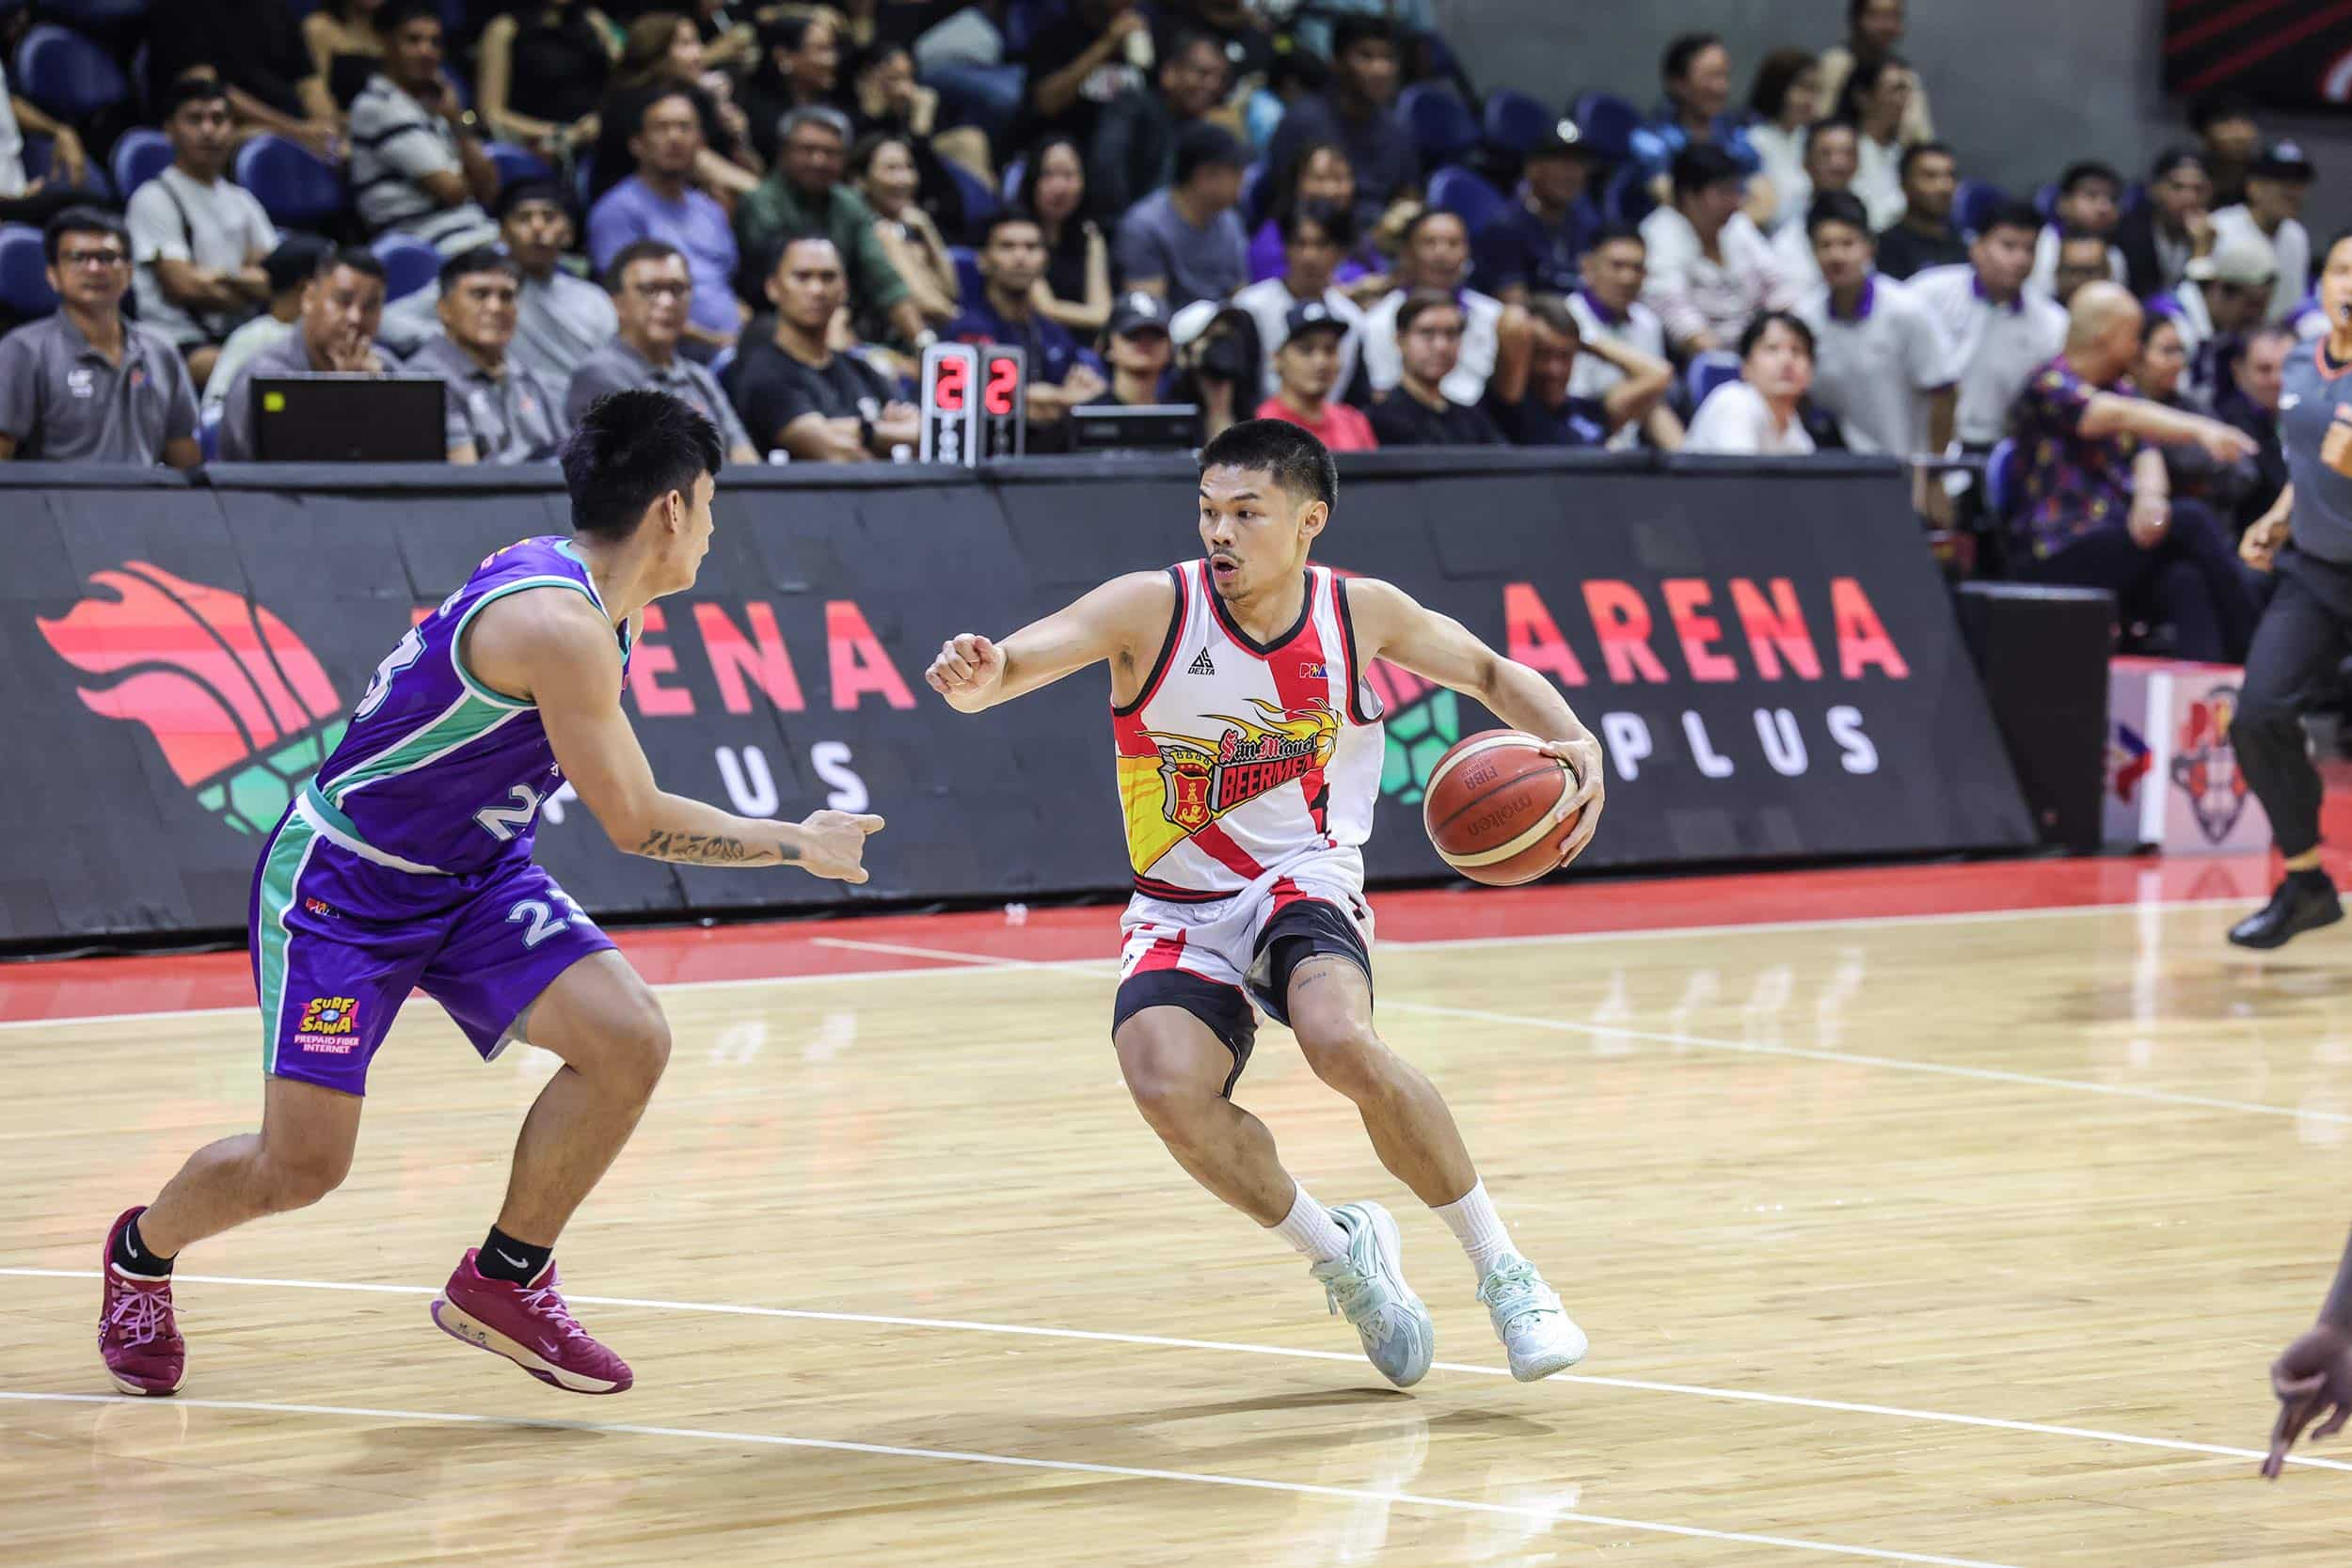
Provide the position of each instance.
(1767, 649)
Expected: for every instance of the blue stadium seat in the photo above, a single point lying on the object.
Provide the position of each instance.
(96, 15)
(1608, 122)
(1010, 186)
(295, 187)
(1439, 122)
(1627, 199)
(1466, 196)
(409, 265)
(1976, 203)
(39, 163)
(1516, 122)
(1710, 370)
(139, 155)
(980, 203)
(516, 164)
(24, 274)
(969, 283)
(2000, 480)
(66, 74)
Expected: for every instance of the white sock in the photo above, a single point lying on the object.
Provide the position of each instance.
(1309, 1227)
(1474, 1223)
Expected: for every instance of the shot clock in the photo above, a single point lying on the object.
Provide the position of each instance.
(974, 404)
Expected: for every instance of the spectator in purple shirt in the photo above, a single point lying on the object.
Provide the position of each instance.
(2099, 511)
(658, 202)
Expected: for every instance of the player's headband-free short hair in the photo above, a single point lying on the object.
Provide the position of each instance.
(1290, 454)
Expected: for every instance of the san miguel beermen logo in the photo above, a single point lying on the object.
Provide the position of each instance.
(2204, 764)
(231, 695)
(1204, 780)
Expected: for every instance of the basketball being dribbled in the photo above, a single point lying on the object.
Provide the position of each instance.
(1497, 808)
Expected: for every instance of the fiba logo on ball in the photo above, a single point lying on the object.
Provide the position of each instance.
(234, 699)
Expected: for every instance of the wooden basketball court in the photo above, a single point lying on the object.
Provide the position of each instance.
(1909, 1225)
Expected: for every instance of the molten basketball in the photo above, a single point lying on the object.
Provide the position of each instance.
(1497, 808)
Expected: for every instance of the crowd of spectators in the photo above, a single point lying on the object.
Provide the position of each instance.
(772, 211)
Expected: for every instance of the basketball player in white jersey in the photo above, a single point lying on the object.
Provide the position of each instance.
(1249, 752)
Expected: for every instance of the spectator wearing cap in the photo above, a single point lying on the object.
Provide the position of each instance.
(1418, 412)
(1134, 152)
(1436, 254)
(1013, 258)
(1786, 102)
(2098, 509)
(86, 384)
(1532, 246)
(1306, 371)
(2225, 295)
(1696, 111)
(287, 269)
(418, 167)
(1831, 157)
(1357, 111)
(2002, 328)
(805, 195)
(1186, 241)
(197, 238)
(652, 295)
(2274, 188)
(660, 202)
(1927, 236)
(2230, 140)
(1874, 31)
(2171, 228)
(1314, 237)
(1608, 311)
(798, 394)
(1883, 364)
(1136, 348)
(1710, 270)
(1761, 414)
(560, 319)
(2088, 202)
(1877, 97)
(1534, 397)
(343, 306)
(499, 411)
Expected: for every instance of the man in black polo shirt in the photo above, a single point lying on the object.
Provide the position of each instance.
(1534, 247)
(1926, 236)
(795, 393)
(1417, 412)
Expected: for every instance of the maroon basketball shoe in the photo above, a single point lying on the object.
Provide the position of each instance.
(530, 1326)
(138, 1338)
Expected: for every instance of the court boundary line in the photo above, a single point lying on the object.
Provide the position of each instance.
(982, 964)
(1020, 1462)
(1741, 1396)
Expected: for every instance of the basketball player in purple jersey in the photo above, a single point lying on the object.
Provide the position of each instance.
(406, 862)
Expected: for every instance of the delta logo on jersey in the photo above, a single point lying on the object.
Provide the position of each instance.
(1203, 780)
(237, 703)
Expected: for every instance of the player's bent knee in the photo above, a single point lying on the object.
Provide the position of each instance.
(296, 1180)
(638, 1047)
(1345, 1054)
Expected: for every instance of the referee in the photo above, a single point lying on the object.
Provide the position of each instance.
(2306, 538)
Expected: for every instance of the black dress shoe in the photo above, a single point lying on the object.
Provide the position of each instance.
(2299, 906)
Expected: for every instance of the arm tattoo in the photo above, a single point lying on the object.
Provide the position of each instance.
(712, 849)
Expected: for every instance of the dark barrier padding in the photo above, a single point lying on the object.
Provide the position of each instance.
(1767, 651)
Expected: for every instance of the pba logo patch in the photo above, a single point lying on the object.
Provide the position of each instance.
(329, 1015)
(238, 704)
(2204, 764)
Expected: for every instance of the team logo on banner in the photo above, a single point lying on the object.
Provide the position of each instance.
(2204, 764)
(234, 699)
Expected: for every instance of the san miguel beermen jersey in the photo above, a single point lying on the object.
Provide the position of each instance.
(1240, 757)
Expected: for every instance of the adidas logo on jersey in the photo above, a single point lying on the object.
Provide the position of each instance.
(1202, 666)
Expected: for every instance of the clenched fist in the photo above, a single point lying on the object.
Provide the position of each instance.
(967, 671)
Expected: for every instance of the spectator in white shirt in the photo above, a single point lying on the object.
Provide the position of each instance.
(417, 159)
(1315, 234)
(1759, 413)
(1711, 269)
(1831, 157)
(2275, 189)
(2002, 328)
(1882, 362)
(2090, 201)
(1786, 101)
(1609, 308)
(1436, 254)
(1877, 97)
(197, 238)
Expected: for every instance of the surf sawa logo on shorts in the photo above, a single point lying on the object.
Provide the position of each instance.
(235, 700)
(329, 1015)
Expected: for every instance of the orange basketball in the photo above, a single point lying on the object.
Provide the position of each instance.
(1497, 808)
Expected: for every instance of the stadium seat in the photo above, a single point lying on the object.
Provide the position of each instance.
(39, 163)
(24, 273)
(1627, 199)
(969, 284)
(292, 186)
(1516, 122)
(139, 155)
(516, 164)
(66, 74)
(2000, 481)
(1608, 122)
(1439, 122)
(980, 203)
(409, 265)
(1709, 369)
(1467, 196)
(1974, 207)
